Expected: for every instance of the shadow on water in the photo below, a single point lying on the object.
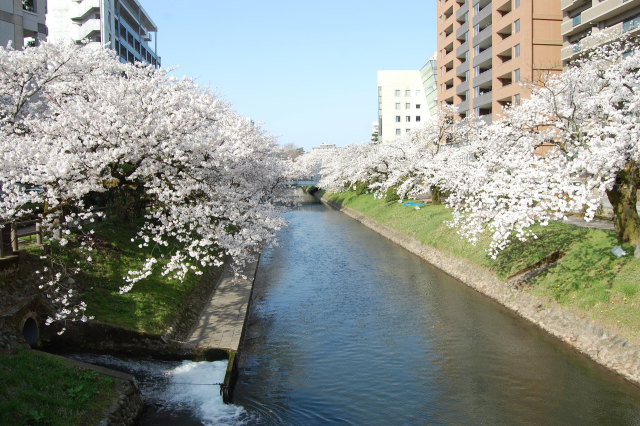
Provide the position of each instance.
(346, 327)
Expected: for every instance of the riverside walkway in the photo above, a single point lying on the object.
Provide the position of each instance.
(222, 320)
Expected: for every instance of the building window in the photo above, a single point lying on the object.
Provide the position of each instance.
(397, 118)
(398, 105)
(417, 118)
(577, 20)
(516, 75)
(517, 3)
(408, 119)
(417, 106)
(408, 130)
(631, 24)
(516, 99)
(398, 92)
(398, 132)
(517, 26)
(407, 92)
(407, 106)
(516, 50)
(29, 5)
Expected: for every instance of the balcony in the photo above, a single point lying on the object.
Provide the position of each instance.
(571, 4)
(574, 25)
(486, 118)
(83, 8)
(463, 107)
(462, 87)
(460, 12)
(484, 100)
(608, 9)
(89, 27)
(569, 51)
(461, 30)
(482, 78)
(30, 21)
(482, 35)
(484, 56)
(461, 69)
(460, 50)
(484, 13)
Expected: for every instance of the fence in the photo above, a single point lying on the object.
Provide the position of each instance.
(11, 232)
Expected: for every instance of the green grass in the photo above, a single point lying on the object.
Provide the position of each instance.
(40, 389)
(152, 304)
(588, 279)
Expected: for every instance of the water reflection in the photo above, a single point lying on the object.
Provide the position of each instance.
(348, 328)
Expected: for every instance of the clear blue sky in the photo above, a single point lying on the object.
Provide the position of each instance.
(307, 70)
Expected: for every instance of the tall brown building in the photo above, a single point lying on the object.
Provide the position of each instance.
(487, 48)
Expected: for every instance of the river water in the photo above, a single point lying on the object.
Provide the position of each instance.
(347, 328)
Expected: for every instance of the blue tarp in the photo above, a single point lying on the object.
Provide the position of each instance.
(412, 203)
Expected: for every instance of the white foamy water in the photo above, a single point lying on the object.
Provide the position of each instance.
(178, 386)
(189, 388)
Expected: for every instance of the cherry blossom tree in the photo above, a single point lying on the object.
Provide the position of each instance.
(557, 153)
(75, 121)
(586, 119)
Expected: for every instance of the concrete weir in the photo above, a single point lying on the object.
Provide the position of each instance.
(222, 321)
(602, 345)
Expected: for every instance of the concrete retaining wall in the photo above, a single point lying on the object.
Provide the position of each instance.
(601, 345)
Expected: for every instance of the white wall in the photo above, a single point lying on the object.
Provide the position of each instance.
(409, 102)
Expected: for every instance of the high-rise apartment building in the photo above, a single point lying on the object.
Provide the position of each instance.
(22, 22)
(613, 18)
(122, 25)
(429, 73)
(487, 48)
(402, 105)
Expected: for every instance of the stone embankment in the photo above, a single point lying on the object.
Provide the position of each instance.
(598, 343)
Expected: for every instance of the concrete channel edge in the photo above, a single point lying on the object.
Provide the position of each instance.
(603, 346)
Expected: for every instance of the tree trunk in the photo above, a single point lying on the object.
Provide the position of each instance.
(436, 195)
(125, 203)
(623, 198)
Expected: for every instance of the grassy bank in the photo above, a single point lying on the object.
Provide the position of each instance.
(40, 389)
(588, 279)
(151, 305)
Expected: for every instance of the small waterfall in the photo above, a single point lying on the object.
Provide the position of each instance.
(177, 392)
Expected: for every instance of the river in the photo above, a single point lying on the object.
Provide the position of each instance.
(347, 328)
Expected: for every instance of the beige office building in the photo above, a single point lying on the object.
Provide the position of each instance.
(402, 105)
(22, 22)
(487, 48)
(614, 18)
